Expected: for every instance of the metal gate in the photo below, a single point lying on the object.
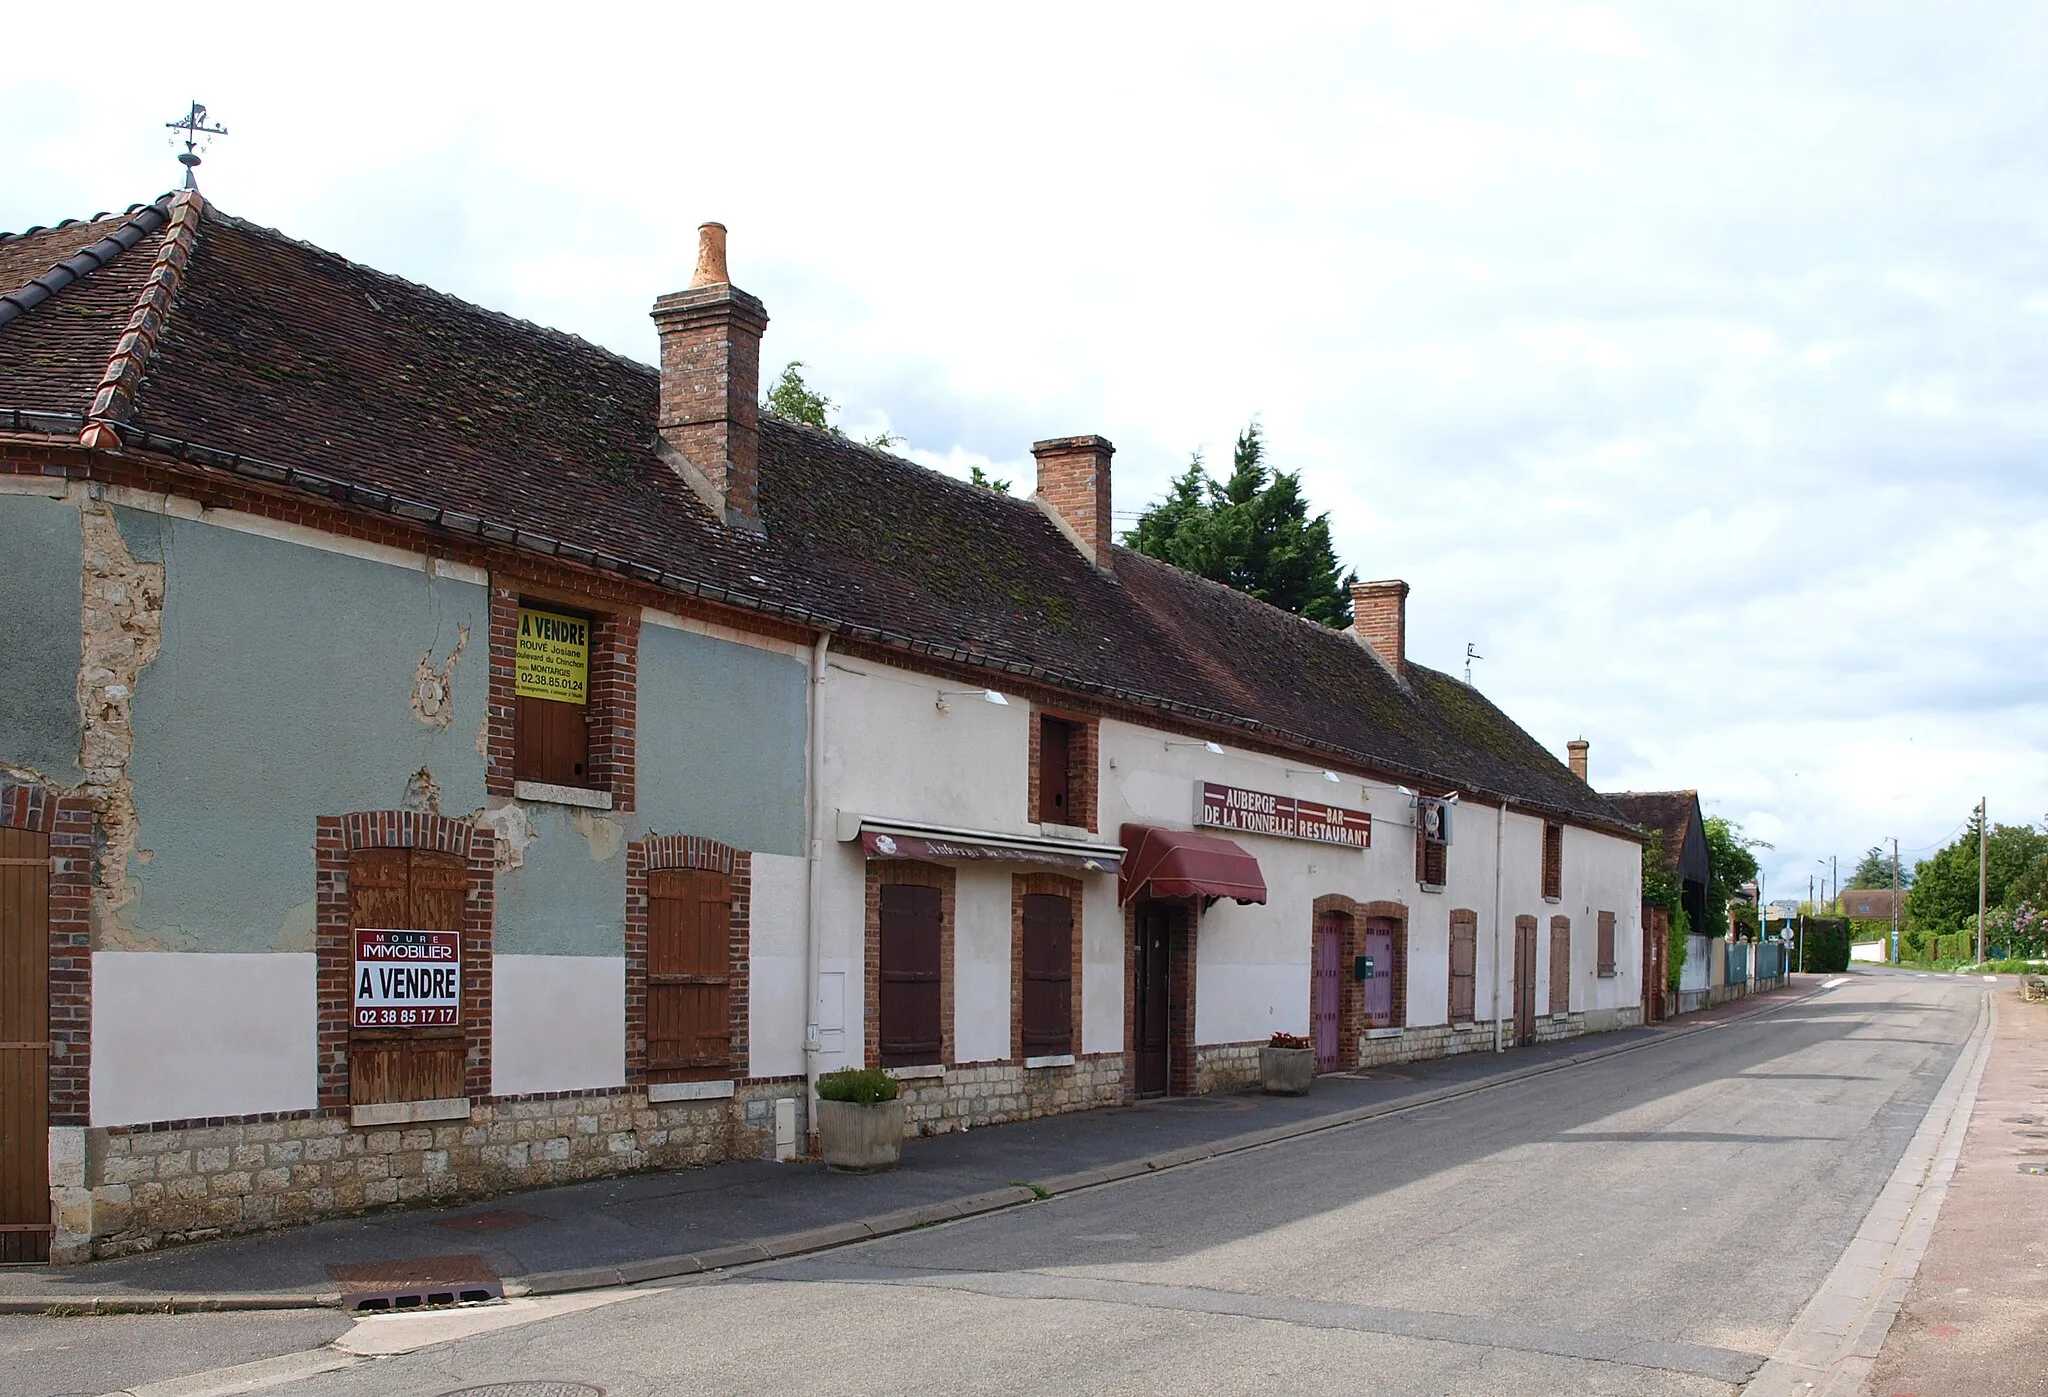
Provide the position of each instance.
(25, 1226)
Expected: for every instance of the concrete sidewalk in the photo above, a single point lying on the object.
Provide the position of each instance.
(1972, 1317)
(647, 1226)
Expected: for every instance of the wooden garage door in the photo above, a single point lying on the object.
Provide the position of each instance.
(24, 1046)
(418, 890)
(689, 975)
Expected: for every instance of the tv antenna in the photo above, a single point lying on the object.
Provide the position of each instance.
(198, 136)
(1471, 654)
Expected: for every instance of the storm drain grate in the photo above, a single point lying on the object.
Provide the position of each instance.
(529, 1389)
(416, 1283)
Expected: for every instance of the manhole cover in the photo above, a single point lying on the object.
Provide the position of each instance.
(500, 1220)
(544, 1388)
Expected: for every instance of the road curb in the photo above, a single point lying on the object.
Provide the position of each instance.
(830, 1235)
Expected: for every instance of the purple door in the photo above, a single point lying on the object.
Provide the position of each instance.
(1379, 990)
(1327, 996)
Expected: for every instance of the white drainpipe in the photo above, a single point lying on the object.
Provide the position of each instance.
(814, 851)
(1500, 820)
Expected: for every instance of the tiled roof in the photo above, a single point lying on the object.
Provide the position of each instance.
(278, 351)
(1668, 812)
(81, 281)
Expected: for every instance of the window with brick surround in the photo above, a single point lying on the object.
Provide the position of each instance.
(563, 701)
(1432, 843)
(1607, 943)
(909, 988)
(1063, 770)
(1553, 861)
(1047, 963)
(1464, 964)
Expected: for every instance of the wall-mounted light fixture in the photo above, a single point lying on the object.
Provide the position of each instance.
(1332, 777)
(985, 695)
(1212, 748)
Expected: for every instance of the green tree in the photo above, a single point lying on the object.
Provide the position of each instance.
(1661, 888)
(794, 400)
(977, 476)
(1874, 870)
(1251, 532)
(1730, 864)
(1944, 895)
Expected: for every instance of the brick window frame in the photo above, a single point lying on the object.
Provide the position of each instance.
(1084, 752)
(671, 851)
(335, 837)
(69, 822)
(1463, 919)
(614, 679)
(1553, 862)
(1432, 859)
(1397, 913)
(882, 873)
(1351, 993)
(1023, 885)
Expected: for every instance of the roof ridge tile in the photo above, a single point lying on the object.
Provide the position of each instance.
(114, 399)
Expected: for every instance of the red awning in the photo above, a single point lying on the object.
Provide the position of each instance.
(1180, 863)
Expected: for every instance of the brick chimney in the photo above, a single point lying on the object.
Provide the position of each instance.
(711, 383)
(1575, 753)
(1073, 490)
(1379, 618)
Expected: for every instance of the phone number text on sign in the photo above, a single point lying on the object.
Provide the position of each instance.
(408, 979)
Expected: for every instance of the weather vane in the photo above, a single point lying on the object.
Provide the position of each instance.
(197, 133)
(1471, 654)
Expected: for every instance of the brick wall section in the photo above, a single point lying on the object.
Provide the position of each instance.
(1023, 885)
(1397, 913)
(1181, 1077)
(710, 387)
(614, 705)
(881, 873)
(1073, 478)
(502, 714)
(335, 838)
(1379, 616)
(1350, 994)
(1084, 767)
(644, 856)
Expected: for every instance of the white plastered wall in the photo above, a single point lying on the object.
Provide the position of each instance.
(558, 1023)
(775, 989)
(180, 1036)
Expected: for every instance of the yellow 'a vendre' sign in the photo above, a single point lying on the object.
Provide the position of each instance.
(553, 657)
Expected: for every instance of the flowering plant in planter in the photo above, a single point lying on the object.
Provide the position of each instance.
(1287, 1065)
(1288, 1040)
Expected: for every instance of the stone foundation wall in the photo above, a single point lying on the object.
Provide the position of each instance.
(998, 1092)
(1226, 1067)
(120, 1191)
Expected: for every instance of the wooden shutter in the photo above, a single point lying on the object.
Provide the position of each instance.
(1553, 860)
(908, 977)
(1055, 768)
(551, 742)
(1606, 943)
(1560, 965)
(418, 890)
(1048, 975)
(24, 1046)
(1464, 964)
(689, 975)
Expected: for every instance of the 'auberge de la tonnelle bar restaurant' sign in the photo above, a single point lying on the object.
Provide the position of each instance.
(1259, 812)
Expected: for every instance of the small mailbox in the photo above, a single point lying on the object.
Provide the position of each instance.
(1362, 968)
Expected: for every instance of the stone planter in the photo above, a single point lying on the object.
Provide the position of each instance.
(861, 1139)
(1287, 1071)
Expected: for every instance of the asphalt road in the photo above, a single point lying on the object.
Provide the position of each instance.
(1646, 1224)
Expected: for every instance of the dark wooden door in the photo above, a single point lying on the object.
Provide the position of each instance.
(1048, 963)
(1379, 990)
(1326, 992)
(1149, 999)
(689, 975)
(406, 890)
(24, 1046)
(1525, 980)
(909, 988)
(1656, 961)
(1560, 965)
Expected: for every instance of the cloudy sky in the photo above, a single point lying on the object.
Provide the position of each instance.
(1690, 360)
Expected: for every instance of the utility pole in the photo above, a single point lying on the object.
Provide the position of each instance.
(1895, 902)
(1983, 842)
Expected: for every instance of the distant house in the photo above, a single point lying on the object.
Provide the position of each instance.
(1869, 904)
(1676, 816)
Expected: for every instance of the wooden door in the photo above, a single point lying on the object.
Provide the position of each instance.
(1327, 992)
(689, 975)
(908, 994)
(1656, 959)
(25, 1225)
(1560, 965)
(1048, 963)
(1379, 990)
(407, 890)
(1525, 980)
(1149, 1000)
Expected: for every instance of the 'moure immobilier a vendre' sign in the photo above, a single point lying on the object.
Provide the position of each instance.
(408, 979)
(1260, 812)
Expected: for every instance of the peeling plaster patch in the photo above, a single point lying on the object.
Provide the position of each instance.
(508, 823)
(121, 620)
(295, 932)
(432, 688)
(603, 834)
(422, 793)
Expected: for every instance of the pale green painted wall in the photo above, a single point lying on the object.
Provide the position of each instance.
(39, 612)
